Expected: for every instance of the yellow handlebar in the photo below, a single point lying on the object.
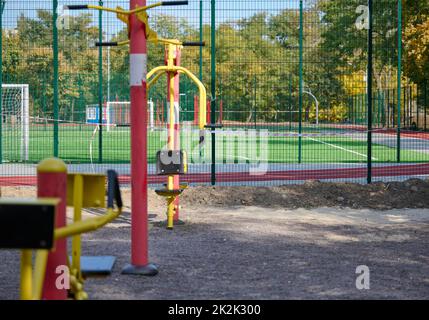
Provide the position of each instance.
(119, 10)
(139, 9)
(158, 71)
(88, 225)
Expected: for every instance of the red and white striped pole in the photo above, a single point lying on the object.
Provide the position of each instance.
(52, 183)
(176, 107)
(139, 175)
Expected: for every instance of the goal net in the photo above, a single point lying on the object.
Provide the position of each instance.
(15, 121)
(119, 113)
(116, 114)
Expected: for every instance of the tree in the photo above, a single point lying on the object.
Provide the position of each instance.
(416, 40)
(345, 46)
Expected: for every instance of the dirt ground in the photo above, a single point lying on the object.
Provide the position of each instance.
(289, 242)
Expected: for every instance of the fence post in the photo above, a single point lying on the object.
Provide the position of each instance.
(100, 85)
(2, 5)
(369, 93)
(254, 101)
(201, 40)
(52, 183)
(56, 73)
(290, 102)
(213, 89)
(425, 102)
(398, 137)
(301, 47)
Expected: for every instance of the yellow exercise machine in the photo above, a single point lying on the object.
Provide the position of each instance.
(88, 191)
(171, 162)
(30, 225)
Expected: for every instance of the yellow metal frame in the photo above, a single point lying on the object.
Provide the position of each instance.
(159, 71)
(124, 16)
(172, 47)
(84, 190)
(119, 10)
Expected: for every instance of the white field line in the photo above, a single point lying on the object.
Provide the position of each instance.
(241, 157)
(341, 148)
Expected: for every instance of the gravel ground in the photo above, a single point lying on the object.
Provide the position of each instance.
(292, 242)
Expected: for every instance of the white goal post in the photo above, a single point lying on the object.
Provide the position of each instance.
(119, 113)
(15, 117)
(116, 114)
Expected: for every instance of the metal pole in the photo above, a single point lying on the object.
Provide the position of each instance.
(139, 177)
(301, 47)
(201, 40)
(388, 108)
(213, 89)
(425, 101)
(108, 74)
(254, 101)
(2, 5)
(290, 102)
(369, 92)
(317, 104)
(100, 85)
(173, 92)
(56, 72)
(398, 140)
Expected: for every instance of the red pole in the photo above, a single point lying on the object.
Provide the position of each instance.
(208, 111)
(52, 183)
(177, 120)
(196, 111)
(139, 121)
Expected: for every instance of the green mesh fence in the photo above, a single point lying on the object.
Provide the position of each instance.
(290, 89)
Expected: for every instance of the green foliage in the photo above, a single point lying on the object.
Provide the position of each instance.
(257, 58)
(335, 114)
(416, 40)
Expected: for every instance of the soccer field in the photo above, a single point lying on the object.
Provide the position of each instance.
(80, 144)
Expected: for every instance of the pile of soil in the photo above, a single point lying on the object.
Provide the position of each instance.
(413, 193)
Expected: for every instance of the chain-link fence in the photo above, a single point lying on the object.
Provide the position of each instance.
(287, 82)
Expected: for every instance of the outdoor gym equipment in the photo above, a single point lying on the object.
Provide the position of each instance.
(88, 191)
(28, 224)
(136, 20)
(173, 162)
(39, 224)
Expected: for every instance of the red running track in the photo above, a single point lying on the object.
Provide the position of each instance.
(291, 175)
(405, 134)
